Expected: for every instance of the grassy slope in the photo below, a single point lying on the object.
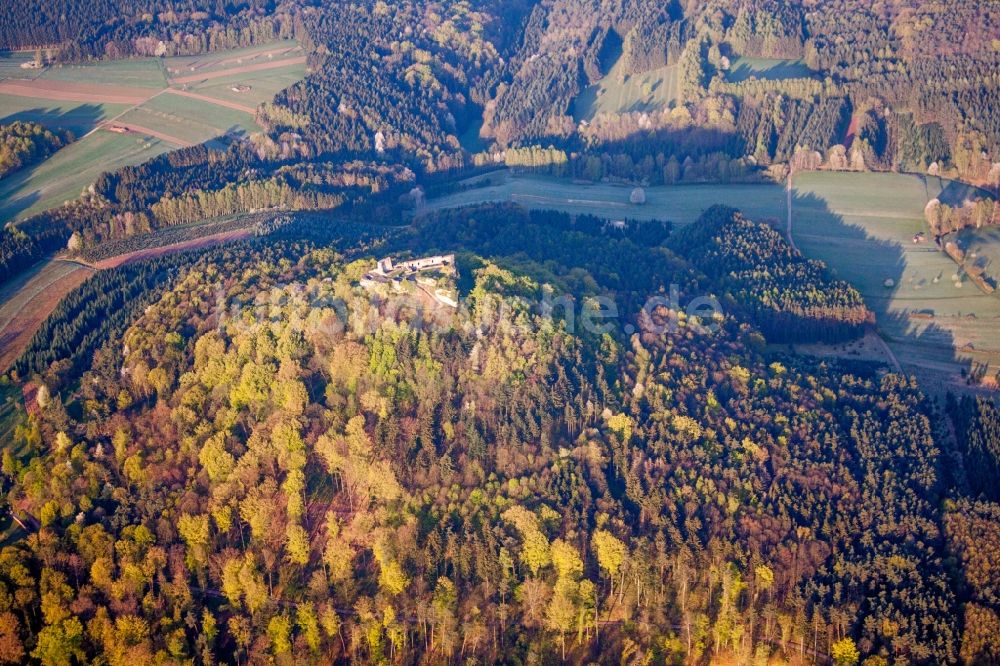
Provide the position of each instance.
(649, 91)
(264, 84)
(77, 117)
(65, 174)
(681, 204)
(139, 73)
(212, 62)
(189, 119)
(862, 225)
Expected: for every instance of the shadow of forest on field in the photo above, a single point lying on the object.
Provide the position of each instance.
(878, 268)
(79, 119)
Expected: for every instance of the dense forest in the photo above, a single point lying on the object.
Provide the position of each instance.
(248, 454)
(427, 86)
(257, 459)
(67, 30)
(791, 298)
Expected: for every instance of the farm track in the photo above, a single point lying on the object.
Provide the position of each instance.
(25, 309)
(245, 69)
(148, 253)
(225, 61)
(65, 91)
(139, 129)
(561, 200)
(212, 100)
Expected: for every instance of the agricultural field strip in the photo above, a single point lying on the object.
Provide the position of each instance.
(213, 100)
(70, 92)
(208, 61)
(64, 91)
(245, 69)
(141, 129)
(58, 277)
(14, 303)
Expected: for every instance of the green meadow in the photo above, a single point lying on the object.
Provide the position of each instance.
(772, 69)
(63, 176)
(618, 93)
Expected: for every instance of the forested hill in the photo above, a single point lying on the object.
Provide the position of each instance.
(70, 30)
(268, 452)
(269, 461)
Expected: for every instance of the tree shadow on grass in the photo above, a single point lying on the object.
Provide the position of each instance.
(79, 119)
(880, 269)
(776, 72)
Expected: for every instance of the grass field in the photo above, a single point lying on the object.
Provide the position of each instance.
(221, 60)
(862, 225)
(616, 93)
(77, 117)
(10, 63)
(190, 120)
(772, 69)
(264, 85)
(681, 204)
(64, 175)
(140, 73)
(159, 118)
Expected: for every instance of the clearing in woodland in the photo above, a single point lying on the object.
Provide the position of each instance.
(620, 93)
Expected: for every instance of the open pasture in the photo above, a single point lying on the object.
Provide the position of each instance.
(63, 176)
(215, 94)
(188, 120)
(617, 93)
(139, 73)
(11, 61)
(862, 226)
(185, 66)
(263, 84)
(77, 117)
(771, 69)
(680, 204)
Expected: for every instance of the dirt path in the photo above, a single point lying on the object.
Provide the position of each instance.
(889, 354)
(852, 131)
(29, 305)
(65, 91)
(139, 129)
(557, 200)
(788, 227)
(148, 253)
(195, 78)
(213, 100)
